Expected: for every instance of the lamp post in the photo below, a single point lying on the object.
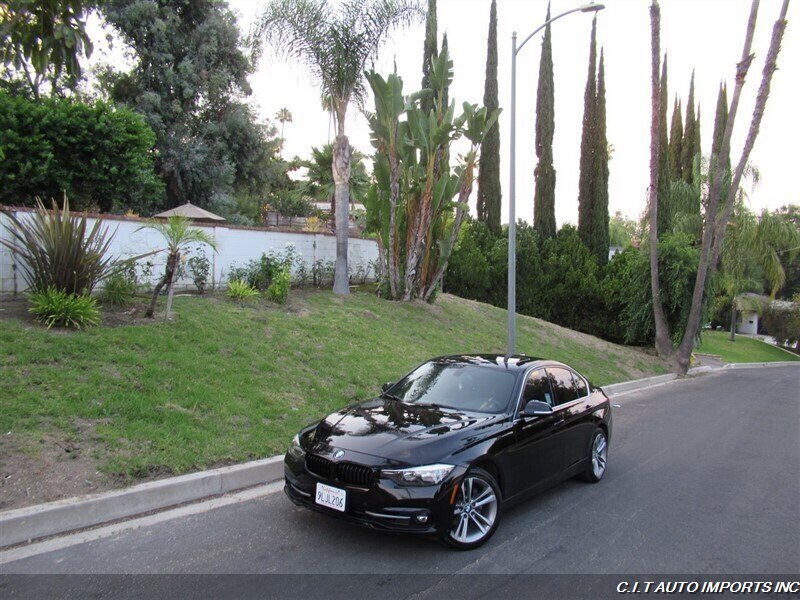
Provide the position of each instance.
(512, 218)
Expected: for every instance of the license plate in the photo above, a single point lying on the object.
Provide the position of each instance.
(331, 497)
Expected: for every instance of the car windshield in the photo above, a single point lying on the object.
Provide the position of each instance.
(456, 385)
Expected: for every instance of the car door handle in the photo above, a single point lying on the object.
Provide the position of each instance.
(559, 423)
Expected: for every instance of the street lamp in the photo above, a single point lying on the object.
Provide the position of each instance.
(512, 218)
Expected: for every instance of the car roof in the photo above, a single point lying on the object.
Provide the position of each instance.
(515, 362)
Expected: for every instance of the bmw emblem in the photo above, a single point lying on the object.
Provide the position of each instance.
(338, 454)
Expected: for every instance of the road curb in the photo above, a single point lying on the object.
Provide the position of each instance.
(43, 520)
(783, 363)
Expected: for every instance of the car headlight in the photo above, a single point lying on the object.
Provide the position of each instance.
(426, 475)
(296, 450)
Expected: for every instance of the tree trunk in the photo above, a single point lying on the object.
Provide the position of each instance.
(165, 280)
(463, 198)
(394, 197)
(342, 153)
(662, 341)
(714, 230)
(733, 321)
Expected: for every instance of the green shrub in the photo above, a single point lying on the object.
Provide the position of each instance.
(59, 308)
(199, 269)
(58, 250)
(241, 291)
(100, 155)
(259, 273)
(278, 291)
(120, 287)
(781, 320)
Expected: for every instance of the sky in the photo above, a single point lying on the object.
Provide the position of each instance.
(701, 35)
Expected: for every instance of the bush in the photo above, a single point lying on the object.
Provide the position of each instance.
(59, 251)
(241, 291)
(101, 156)
(259, 273)
(59, 308)
(199, 269)
(781, 320)
(120, 287)
(278, 291)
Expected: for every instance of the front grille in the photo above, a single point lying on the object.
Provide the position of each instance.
(319, 465)
(354, 474)
(345, 472)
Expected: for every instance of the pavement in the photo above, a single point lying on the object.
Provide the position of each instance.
(703, 478)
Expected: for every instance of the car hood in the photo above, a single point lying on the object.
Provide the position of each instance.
(400, 432)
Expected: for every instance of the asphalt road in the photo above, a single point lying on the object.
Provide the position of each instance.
(703, 477)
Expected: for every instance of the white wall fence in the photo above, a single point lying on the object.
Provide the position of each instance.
(235, 247)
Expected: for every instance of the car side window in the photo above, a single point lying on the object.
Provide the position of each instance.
(563, 385)
(537, 387)
(580, 385)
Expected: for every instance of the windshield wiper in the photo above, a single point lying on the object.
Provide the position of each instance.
(390, 396)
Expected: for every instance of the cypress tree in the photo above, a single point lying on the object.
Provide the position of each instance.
(697, 148)
(675, 141)
(720, 121)
(446, 93)
(429, 52)
(689, 138)
(599, 209)
(664, 176)
(544, 199)
(489, 193)
(587, 176)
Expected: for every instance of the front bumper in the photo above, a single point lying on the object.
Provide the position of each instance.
(382, 505)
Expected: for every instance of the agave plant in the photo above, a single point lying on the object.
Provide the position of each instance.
(178, 234)
(58, 250)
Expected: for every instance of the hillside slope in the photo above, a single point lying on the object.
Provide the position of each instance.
(228, 382)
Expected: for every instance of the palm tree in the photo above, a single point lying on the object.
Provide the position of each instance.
(178, 234)
(336, 43)
(319, 183)
(284, 116)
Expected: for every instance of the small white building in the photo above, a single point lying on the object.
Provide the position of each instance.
(748, 309)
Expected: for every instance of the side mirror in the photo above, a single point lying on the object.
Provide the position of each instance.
(536, 408)
(387, 385)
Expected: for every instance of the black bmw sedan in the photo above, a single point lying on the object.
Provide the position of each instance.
(444, 450)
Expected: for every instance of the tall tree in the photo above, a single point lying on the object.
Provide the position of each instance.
(489, 193)
(664, 175)
(587, 176)
(41, 40)
(675, 141)
(720, 121)
(716, 219)
(689, 138)
(190, 83)
(599, 219)
(336, 42)
(284, 116)
(544, 199)
(429, 51)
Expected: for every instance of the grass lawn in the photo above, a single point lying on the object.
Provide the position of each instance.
(227, 382)
(744, 349)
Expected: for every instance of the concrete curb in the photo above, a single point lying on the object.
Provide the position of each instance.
(43, 520)
(33, 522)
(783, 363)
(617, 389)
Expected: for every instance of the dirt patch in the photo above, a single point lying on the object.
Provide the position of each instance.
(47, 469)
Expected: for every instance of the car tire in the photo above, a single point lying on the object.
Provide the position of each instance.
(597, 461)
(475, 521)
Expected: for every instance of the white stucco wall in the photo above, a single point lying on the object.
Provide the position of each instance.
(235, 247)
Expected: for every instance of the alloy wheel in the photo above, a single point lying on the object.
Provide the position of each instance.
(599, 455)
(475, 511)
